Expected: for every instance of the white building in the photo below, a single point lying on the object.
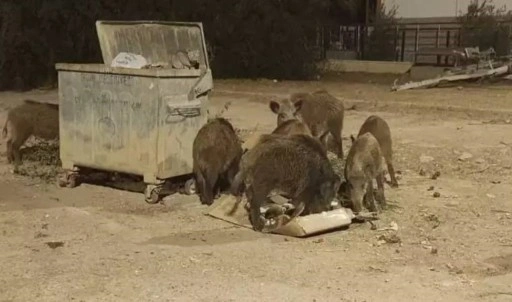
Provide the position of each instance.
(435, 8)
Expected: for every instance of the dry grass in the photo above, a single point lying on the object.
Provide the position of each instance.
(40, 161)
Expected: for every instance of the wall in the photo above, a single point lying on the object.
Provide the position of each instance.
(435, 8)
(333, 65)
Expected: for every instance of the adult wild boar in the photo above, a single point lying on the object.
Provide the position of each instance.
(295, 166)
(379, 128)
(320, 111)
(363, 165)
(216, 154)
(30, 118)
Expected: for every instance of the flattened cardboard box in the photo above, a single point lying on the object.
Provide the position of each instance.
(302, 226)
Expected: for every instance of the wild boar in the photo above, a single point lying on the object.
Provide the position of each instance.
(216, 154)
(363, 165)
(30, 118)
(380, 129)
(295, 166)
(320, 111)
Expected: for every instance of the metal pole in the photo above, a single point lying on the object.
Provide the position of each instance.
(367, 13)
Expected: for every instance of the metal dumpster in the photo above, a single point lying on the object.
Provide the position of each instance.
(137, 121)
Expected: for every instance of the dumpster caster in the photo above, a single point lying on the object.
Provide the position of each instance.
(152, 193)
(69, 179)
(190, 187)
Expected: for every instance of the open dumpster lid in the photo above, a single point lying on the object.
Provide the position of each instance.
(156, 41)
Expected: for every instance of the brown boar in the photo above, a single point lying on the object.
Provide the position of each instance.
(320, 111)
(363, 165)
(30, 118)
(295, 166)
(216, 154)
(292, 127)
(380, 129)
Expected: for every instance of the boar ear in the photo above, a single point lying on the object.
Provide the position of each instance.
(298, 104)
(352, 138)
(274, 106)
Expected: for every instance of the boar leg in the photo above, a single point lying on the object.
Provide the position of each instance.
(369, 199)
(207, 183)
(231, 173)
(336, 136)
(16, 153)
(9, 151)
(199, 184)
(391, 170)
(256, 198)
(17, 140)
(380, 191)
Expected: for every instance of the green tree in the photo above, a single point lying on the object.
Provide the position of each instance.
(484, 25)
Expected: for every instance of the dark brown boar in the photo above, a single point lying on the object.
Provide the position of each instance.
(295, 166)
(380, 129)
(320, 111)
(362, 166)
(30, 118)
(292, 127)
(216, 153)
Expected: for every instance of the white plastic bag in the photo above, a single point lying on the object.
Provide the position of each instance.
(129, 60)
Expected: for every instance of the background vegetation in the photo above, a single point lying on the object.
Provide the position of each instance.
(246, 38)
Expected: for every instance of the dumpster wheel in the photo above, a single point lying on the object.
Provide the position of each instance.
(69, 179)
(152, 193)
(190, 187)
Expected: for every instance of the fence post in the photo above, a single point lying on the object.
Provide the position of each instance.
(438, 34)
(402, 50)
(509, 35)
(341, 38)
(447, 45)
(358, 40)
(416, 42)
(396, 42)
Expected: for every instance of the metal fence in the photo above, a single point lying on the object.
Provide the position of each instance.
(405, 42)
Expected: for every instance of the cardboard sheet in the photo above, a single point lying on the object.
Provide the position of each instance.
(299, 227)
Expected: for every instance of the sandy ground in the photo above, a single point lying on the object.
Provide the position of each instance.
(457, 247)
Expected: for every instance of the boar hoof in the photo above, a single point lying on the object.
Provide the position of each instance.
(152, 194)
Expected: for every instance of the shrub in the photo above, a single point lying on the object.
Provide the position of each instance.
(247, 38)
(485, 26)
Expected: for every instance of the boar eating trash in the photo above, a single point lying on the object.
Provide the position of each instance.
(320, 111)
(30, 118)
(295, 166)
(363, 164)
(216, 154)
(380, 129)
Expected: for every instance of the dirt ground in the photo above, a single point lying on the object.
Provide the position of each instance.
(115, 247)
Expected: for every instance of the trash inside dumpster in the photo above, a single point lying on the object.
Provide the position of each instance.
(136, 119)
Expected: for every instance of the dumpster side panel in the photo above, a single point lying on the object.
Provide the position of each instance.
(180, 120)
(107, 121)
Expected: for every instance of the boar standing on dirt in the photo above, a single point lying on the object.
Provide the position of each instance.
(380, 129)
(295, 166)
(320, 111)
(292, 127)
(29, 118)
(363, 164)
(216, 153)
